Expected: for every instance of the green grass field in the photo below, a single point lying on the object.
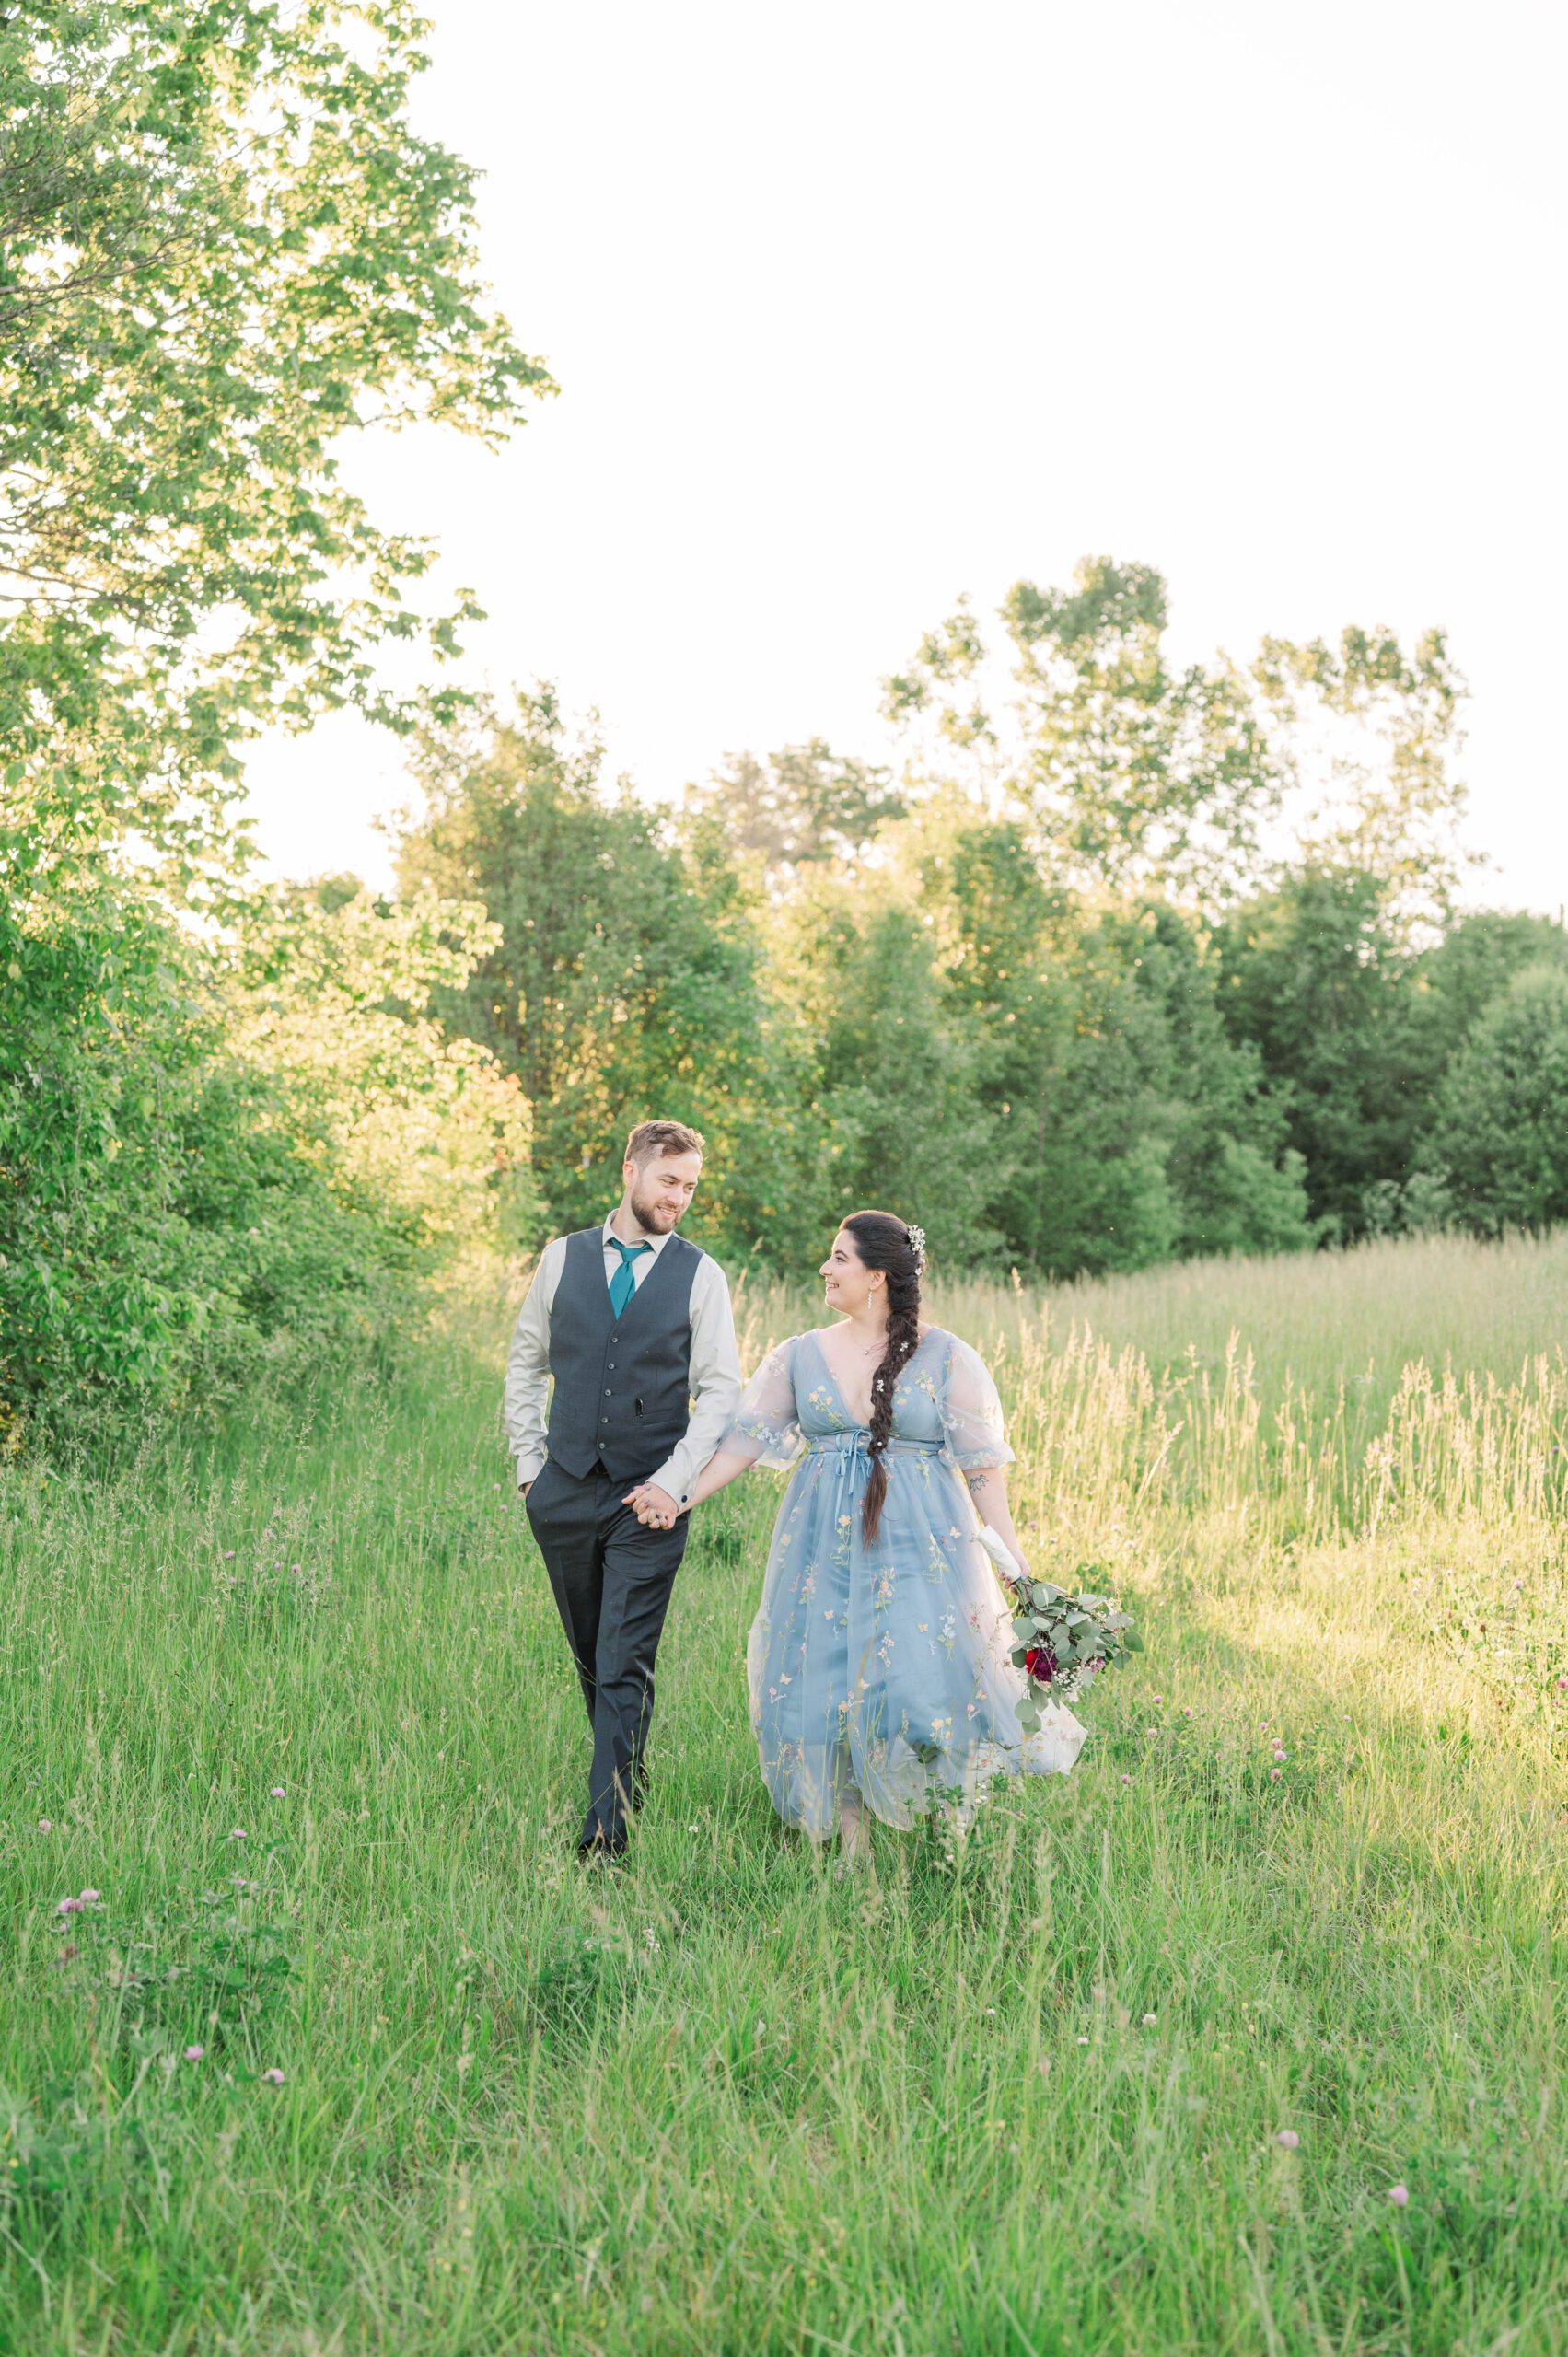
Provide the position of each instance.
(1027, 2100)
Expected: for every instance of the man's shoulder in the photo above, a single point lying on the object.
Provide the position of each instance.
(709, 1267)
(553, 1255)
(559, 1245)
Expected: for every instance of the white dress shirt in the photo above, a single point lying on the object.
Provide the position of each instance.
(716, 1363)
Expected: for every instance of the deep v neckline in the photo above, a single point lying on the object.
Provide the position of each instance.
(862, 1424)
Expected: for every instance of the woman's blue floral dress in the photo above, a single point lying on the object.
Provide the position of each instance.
(883, 1669)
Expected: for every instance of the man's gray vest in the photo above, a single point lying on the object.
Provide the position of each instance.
(622, 1385)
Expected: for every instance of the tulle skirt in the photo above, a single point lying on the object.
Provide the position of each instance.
(883, 1669)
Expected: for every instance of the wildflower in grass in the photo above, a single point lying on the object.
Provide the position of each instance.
(228, 1554)
(277, 1792)
(68, 1907)
(1127, 1780)
(1274, 1775)
(1149, 2021)
(46, 1824)
(1083, 2041)
(194, 2054)
(1398, 2195)
(238, 1834)
(91, 1897)
(1289, 2139)
(272, 2078)
(1160, 1698)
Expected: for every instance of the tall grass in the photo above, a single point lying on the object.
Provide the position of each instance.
(1025, 2098)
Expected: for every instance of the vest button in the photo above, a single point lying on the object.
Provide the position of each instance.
(607, 1395)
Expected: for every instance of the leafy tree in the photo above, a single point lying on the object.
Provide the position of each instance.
(1138, 774)
(213, 1162)
(1319, 980)
(1474, 963)
(1238, 1185)
(222, 250)
(421, 1132)
(805, 803)
(1501, 1130)
(1129, 1125)
(622, 982)
(898, 1098)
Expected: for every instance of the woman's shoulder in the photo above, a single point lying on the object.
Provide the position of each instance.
(955, 1354)
(943, 1339)
(792, 1343)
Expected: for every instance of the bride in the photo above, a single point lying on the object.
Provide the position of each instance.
(879, 1660)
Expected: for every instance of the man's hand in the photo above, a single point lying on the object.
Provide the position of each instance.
(654, 1507)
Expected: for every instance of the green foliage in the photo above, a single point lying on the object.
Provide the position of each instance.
(222, 250)
(896, 1074)
(1063, 1636)
(1134, 772)
(803, 804)
(622, 982)
(1501, 1130)
(1320, 980)
(415, 1129)
(214, 1163)
(932, 1014)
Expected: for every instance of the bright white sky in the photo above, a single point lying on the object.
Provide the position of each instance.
(857, 304)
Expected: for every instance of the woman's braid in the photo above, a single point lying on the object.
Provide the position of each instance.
(884, 1242)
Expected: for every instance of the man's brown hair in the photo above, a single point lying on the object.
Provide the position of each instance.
(661, 1137)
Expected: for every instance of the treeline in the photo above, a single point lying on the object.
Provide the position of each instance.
(924, 995)
(232, 1142)
(1114, 959)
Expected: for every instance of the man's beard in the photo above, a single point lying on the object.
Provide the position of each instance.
(650, 1218)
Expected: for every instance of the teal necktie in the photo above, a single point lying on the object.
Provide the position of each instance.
(623, 1284)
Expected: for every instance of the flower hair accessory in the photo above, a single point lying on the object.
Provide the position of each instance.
(917, 1246)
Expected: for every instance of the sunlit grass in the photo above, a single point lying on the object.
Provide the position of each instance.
(720, 2099)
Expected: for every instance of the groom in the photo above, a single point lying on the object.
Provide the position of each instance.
(634, 1326)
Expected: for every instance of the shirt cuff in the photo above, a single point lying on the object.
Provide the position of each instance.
(530, 1467)
(668, 1478)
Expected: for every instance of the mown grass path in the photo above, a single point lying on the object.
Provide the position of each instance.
(299, 1712)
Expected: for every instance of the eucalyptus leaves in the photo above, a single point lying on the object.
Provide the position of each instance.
(1062, 1637)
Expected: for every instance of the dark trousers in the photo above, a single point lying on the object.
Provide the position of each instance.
(611, 1578)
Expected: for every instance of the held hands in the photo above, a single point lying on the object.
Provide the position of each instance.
(654, 1507)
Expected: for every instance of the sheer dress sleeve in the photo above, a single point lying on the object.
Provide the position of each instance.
(766, 1430)
(972, 1413)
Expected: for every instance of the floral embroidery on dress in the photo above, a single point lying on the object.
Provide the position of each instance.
(841, 1693)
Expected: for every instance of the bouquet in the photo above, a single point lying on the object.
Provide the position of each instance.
(1062, 1637)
